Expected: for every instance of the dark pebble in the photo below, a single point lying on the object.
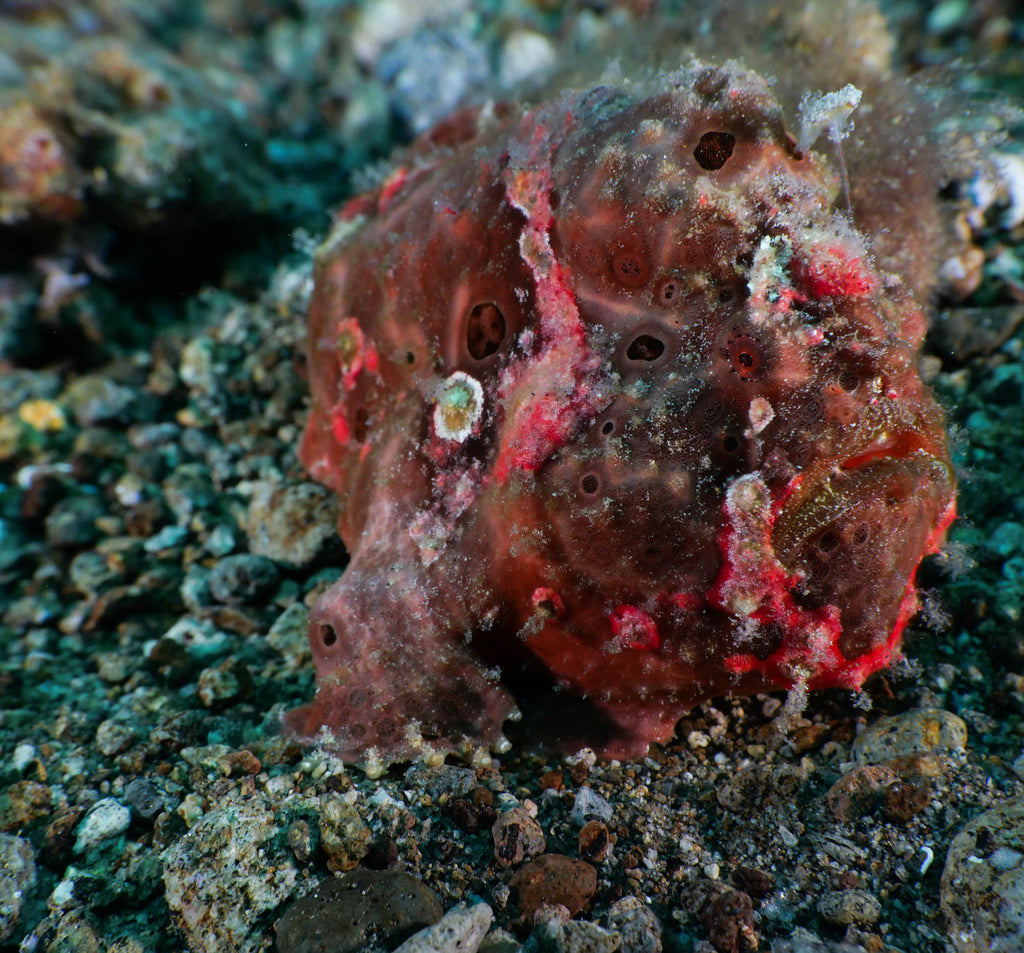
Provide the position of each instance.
(144, 799)
(468, 816)
(751, 880)
(351, 913)
(72, 523)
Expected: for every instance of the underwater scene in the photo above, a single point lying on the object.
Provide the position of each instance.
(511, 476)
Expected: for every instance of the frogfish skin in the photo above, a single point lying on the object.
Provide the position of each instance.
(618, 401)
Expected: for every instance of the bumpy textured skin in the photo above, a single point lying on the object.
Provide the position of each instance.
(613, 385)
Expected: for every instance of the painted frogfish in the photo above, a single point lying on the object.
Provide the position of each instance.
(624, 413)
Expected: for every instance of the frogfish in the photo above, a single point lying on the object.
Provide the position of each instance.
(620, 397)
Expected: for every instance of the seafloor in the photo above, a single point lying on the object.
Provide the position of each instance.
(165, 170)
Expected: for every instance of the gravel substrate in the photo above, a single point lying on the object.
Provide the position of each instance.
(160, 544)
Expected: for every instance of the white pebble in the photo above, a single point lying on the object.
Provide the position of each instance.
(107, 819)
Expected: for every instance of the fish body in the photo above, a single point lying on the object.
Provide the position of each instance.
(611, 390)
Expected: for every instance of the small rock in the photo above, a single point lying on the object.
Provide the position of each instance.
(17, 881)
(94, 400)
(589, 805)
(243, 579)
(106, 820)
(344, 836)
(729, 921)
(469, 816)
(223, 876)
(227, 683)
(525, 56)
(746, 791)
(22, 803)
(288, 634)
(804, 941)
(347, 914)
(300, 840)
(440, 780)
(636, 923)
(500, 941)
(59, 836)
(71, 524)
(113, 738)
(982, 886)
(461, 930)
(579, 936)
(90, 572)
(554, 879)
(517, 837)
(843, 908)
(189, 490)
(913, 732)
(962, 333)
(293, 524)
(144, 798)
(594, 842)
(905, 799)
(858, 791)
(65, 932)
(199, 640)
(754, 881)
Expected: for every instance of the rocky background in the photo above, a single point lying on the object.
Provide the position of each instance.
(165, 170)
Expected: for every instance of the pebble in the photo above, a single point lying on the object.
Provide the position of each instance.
(386, 906)
(113, 738)
(24, 802)
(758, 883)
(166, 538)
(551, 879)
(343, 835)
(728, 919)
(199, 638)
(441, 780)
(107, 819)
(71, 524)
(517, 837)
(579, 936)
(144, 798)
(500, 941)
(188, 490)
(244, 579)
(461, 930)
(90, 572)
(94, 399)
(920, 731)
(222, 876)
(636, 923)
(982, 886)
(291, 525)
(901, 787)
(854, 907)
(594, 842)
(288, 633)
(525, 56)
(17, 881)
(430, 73)
(757, 784)
(224, 684)
(804, 941)
(590, 805)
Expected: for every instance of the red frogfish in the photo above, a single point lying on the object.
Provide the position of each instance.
(618, 401)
